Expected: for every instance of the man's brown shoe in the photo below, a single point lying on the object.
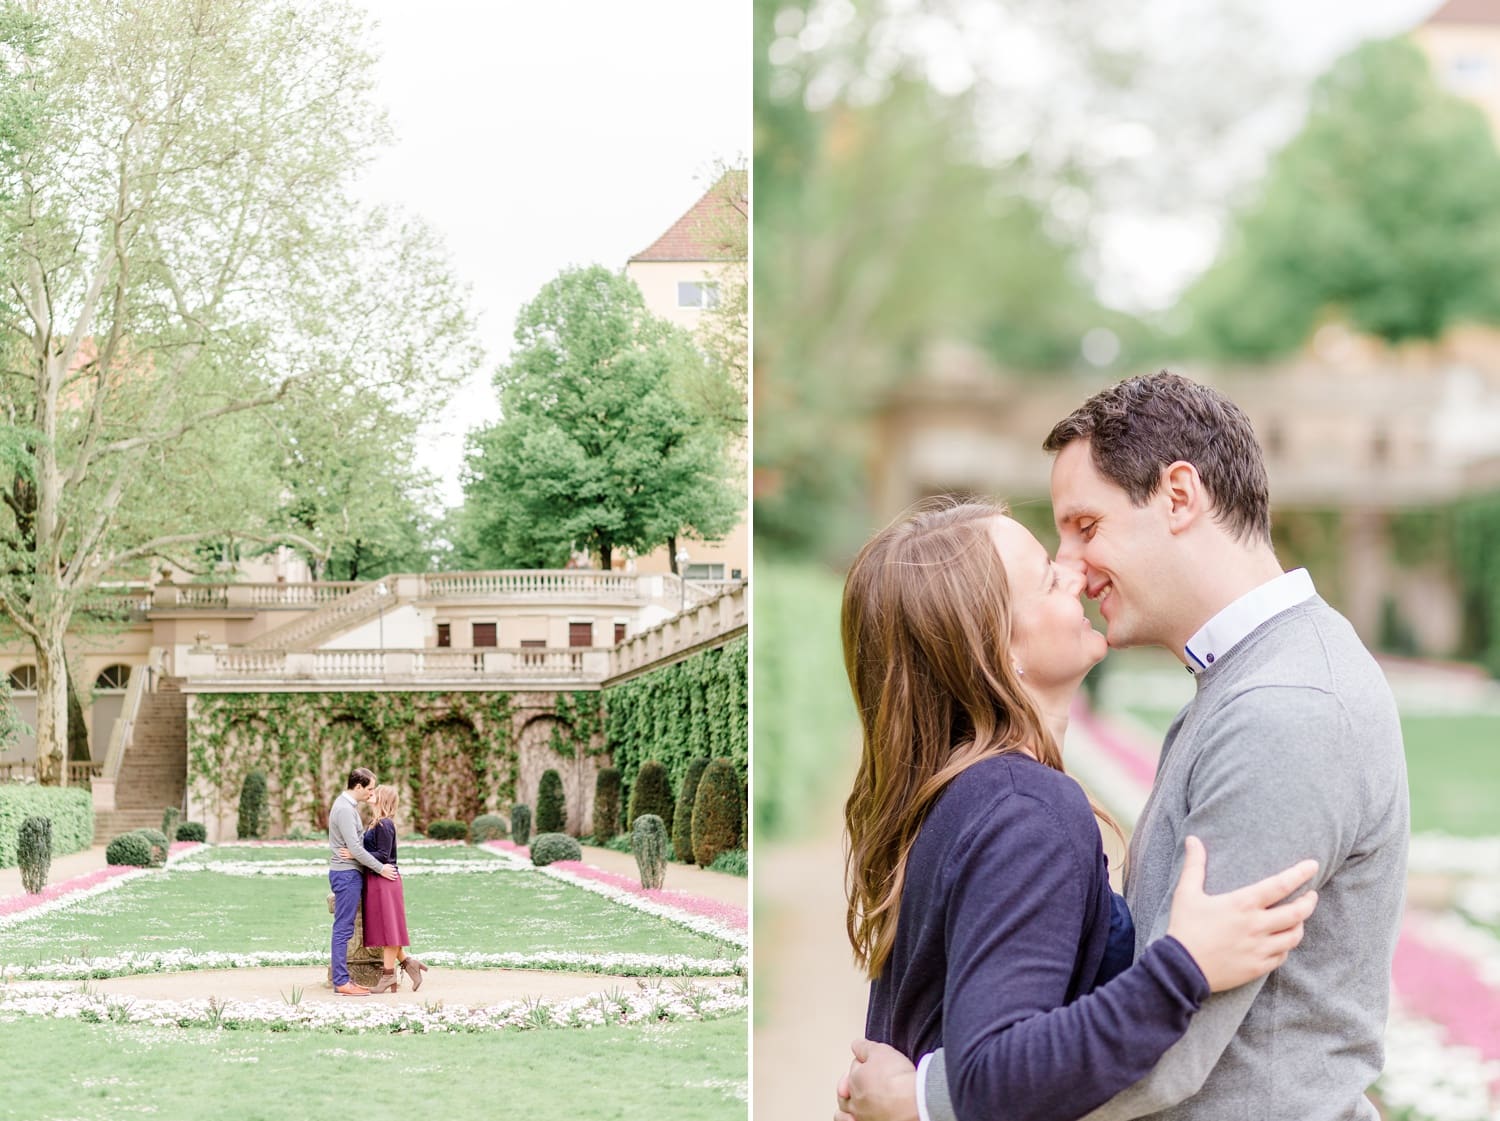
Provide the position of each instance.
(349, 988)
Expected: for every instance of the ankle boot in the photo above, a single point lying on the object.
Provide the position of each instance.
(387, 982)
(414, 970)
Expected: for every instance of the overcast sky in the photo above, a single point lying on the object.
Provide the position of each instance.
(537, 136)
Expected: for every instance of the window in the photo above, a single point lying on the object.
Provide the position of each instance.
(736, 574)
(1470, 73)
(580, 634)
(23, 679)
(113, 677)
(704, 572)
(445, 634)
(484, 634)
(619, 633)
(697, 293)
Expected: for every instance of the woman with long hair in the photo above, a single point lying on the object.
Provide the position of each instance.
(979, 898)
(384, 900)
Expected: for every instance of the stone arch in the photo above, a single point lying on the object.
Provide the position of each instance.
(344, 742)
(445, 772)
(535, 754)
(249, 744)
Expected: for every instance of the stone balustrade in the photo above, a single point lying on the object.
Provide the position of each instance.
(575, 667)
(694, 628)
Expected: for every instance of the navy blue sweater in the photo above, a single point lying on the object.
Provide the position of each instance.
(999, 945)
(380, 841)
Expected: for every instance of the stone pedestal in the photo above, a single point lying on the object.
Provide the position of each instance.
(365, 962)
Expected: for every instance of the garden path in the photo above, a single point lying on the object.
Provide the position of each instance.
(63, 868)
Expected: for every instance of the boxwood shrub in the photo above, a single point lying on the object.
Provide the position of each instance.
(129, 849)
(192, 831)
(548, 847)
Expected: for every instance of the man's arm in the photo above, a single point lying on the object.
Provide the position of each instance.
(345, 822)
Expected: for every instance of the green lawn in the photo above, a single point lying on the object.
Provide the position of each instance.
(1453, 770)
(64, 1070)
(231, 853)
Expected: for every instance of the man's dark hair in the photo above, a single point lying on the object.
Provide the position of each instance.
(1142, 424)
(361, 776)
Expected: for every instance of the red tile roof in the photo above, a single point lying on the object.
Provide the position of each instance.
(1467, 11)
(712, 230)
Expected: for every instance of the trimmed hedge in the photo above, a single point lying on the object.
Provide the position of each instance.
(69, 808)
(520, 823)
(652, 794)
(129, 849)
(717, 816)
(446, 830)
(192, 831)
(648, 838)
(549, 847)
(606, 804)
(171, 817)
(488, 827)
(159, 847)
(735, 862)
(34, 852)
(252, 818)
(551, 809)
(682, 824)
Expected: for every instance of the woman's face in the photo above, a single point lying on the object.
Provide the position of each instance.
(1052, 640)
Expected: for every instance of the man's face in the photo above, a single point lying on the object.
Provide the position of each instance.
(363, 793)
(1119, 548)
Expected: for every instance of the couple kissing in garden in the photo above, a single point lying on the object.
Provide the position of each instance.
(1008, 979)
(362, 867)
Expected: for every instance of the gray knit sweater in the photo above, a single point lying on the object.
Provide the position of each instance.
(1291, 749)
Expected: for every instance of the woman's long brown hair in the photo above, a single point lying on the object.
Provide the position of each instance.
(926, 629)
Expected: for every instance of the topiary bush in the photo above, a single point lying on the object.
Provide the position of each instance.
(169, 819)
(682, 824)
(129, 849)
(34, 853)
(551, 808)
(520, 823)
(69, 808)
(252, 819)
(652, 793)
(648, 840)
(717, 817)
(445, 829)
(736, 862)
(488, 827)
(159, 847)
(606, 805)
(550, 847)
(192, 831)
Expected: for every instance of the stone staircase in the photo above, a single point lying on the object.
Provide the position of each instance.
(309, 631)
(153, 774)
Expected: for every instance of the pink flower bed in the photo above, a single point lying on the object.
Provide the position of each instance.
(24, 902)
(1121, 748)
(726, 913)
(1446, 988)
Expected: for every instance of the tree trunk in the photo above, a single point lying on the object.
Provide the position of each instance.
(78, 729)
(672, 553)
(606, 552)
(51, 709)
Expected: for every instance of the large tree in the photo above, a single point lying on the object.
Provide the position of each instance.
(595, 448)
(186, 274)
(1384, 210)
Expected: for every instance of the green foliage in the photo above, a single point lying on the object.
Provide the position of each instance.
(717, 813)
(1476, 544)
(192, 831)
(1384, 209)
(520, 823)
(159, 846)
(34, 853)
(130, 849)
(488, 827)
(579, 729)
(70, 809)
(651, 793)
(319, 737)
(551, 847)
(648, 840)
(736, 862)
(682, 823)
(445, 830)
(620, 842)
(551, 807)
(252, 818)
(676, 713)
(606, 804)
(805, 724)
(595, 448)
(169, 819)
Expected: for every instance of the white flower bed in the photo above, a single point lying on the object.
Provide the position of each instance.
(1469, 856)
(1431, 1078)
(176, 961)
(657, 1003)
(700, 924)
(304, 868)
(1473, 943)
(72, 897)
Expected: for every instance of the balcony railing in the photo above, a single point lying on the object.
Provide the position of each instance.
(577, 665)
(79, 774)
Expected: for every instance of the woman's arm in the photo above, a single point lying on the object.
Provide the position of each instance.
(380, 842)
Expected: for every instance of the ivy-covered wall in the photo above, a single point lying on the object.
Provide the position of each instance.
(452, 755)
(696, 707)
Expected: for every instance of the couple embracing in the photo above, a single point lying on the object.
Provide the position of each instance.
(1008, 979)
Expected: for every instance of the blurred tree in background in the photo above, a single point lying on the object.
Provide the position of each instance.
(1384, 209)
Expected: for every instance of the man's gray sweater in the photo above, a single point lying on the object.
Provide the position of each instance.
(345, 831)
(1290, 749)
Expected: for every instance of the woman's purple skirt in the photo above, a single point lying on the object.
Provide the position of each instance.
(385, 912)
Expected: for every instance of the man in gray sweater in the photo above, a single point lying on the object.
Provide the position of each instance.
(345, 877)
(1291, 748)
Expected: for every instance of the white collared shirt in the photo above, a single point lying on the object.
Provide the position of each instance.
(1224, 631)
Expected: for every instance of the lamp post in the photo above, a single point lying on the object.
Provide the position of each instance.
(682, 560)
(381, 591)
